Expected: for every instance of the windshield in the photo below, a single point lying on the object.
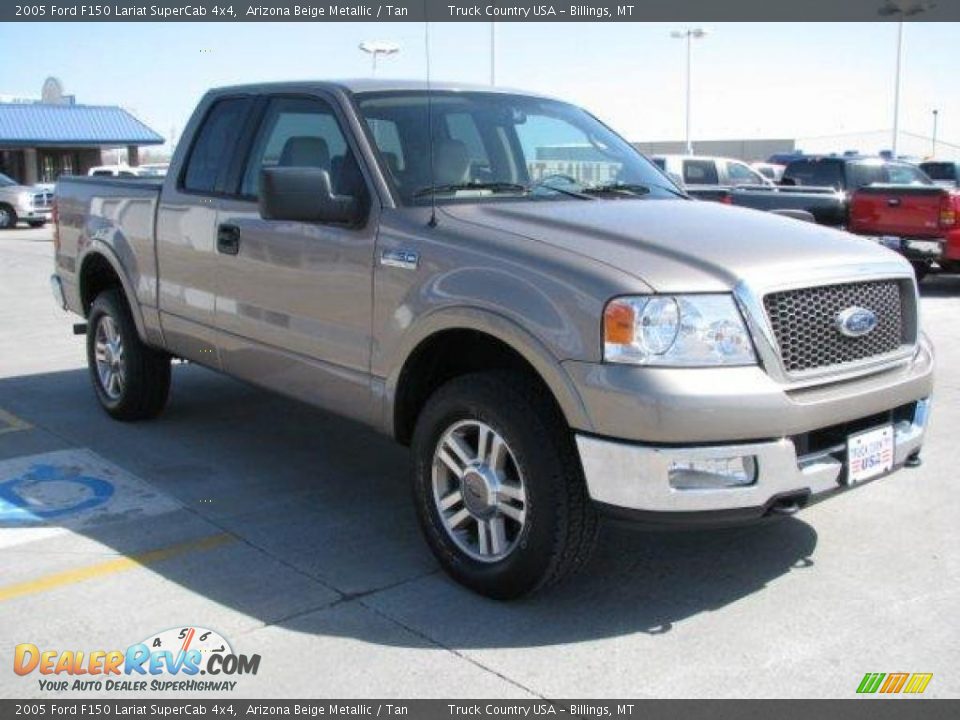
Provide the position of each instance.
(6, 182)
(489, 146)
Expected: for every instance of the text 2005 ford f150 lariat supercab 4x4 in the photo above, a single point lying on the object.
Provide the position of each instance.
(520, 296)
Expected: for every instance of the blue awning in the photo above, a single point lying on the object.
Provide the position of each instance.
(28, 125)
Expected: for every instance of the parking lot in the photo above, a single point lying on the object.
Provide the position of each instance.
(290, 533)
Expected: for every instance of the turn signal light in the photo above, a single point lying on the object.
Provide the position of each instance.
(619, 320)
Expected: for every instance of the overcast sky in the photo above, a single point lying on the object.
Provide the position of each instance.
(750, 79)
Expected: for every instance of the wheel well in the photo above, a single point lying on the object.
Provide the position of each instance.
(444, 356)
(96, 275)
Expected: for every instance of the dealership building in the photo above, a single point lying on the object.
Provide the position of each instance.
(42, 139)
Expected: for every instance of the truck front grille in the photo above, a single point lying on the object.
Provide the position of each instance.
(804, 323)
(43, 201)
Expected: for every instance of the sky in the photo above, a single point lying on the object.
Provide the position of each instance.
(792, 80)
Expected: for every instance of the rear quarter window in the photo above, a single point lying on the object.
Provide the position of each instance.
(700, 172)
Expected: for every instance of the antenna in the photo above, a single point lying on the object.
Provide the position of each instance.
(433, 183)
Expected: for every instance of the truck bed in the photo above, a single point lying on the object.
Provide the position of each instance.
(827, 206)
(116, 214)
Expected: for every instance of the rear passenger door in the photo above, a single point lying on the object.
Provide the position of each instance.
(294, 299)
(186, 227)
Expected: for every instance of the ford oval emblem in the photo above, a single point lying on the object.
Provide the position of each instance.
(856, 321)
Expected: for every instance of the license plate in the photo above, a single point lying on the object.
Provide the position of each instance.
(888, 241)
(927, 247)
(869, 454)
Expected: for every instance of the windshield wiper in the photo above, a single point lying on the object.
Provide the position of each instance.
(454, 187)
(633, 189)
(563, 191)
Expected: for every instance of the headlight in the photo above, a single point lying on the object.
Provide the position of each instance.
(676, 330)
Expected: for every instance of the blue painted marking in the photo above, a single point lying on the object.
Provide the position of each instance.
(15, 508)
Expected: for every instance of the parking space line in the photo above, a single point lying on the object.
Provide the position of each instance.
(111, 567)
(11, 423)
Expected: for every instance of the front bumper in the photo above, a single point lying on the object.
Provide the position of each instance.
(916, 249)
(634, 480)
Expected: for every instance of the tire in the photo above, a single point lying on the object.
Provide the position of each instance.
(921, 270)
(8, 217)
(37, 224)
(559, 523)
(144, 373)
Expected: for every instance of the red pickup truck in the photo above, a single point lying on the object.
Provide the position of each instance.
(950, 262)
(911, 219)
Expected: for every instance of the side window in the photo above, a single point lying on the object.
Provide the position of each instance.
(906, 175)
(303, 132)
(700, 172)
(211, 150)
(740, 174)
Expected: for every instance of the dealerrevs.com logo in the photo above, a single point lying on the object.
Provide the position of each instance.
(172, 660)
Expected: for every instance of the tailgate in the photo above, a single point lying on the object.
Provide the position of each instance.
(899, 210)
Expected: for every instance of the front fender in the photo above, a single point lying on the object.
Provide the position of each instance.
(506, 331)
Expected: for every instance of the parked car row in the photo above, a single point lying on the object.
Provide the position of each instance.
(892, 202)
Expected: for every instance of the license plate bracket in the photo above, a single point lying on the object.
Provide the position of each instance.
(869, 454)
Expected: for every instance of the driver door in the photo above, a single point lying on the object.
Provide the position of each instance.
(294, 298)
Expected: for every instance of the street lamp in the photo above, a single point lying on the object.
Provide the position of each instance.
(493, 54)
(933, 148)
(378, 48)
(689, 34)
(901, 9)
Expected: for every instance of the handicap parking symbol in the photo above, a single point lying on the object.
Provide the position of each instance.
(47, 492)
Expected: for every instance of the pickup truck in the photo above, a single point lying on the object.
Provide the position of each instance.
(20, 203)
(912, 219)
(551, 349)
(732, 182)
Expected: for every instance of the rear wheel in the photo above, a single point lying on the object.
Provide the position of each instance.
(498, 486)
(8, 217)
(36, 223)
(131, 380)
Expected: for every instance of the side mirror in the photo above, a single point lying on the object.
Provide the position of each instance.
(304, 194)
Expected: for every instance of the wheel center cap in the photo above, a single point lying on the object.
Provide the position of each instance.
(478, 492)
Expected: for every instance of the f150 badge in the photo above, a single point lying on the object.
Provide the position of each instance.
(856, 321)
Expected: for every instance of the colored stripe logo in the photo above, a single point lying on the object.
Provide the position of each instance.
(893, 683)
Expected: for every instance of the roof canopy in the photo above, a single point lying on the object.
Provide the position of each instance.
(40, 124)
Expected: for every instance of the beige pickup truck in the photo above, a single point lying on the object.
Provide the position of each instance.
(499, 281)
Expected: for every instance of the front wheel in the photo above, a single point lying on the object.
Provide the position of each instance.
(498, 487)
(8, 217)
(131, 380)
(921, 270)
(36, 224)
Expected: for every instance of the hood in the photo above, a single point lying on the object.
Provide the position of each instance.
(682, 245)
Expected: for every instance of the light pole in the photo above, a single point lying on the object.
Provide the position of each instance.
(378, 48)
(689, 34)
(933, 149)
(901, 9)
(493, 54)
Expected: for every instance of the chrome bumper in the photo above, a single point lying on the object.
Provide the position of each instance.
(631, 476)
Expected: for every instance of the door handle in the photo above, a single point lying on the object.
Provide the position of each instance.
(228, 240)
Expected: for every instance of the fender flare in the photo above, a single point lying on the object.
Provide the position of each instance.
(511, 334)
(102, 249)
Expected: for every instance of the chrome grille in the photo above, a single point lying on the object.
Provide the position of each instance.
(43, 201)
(804, 323)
